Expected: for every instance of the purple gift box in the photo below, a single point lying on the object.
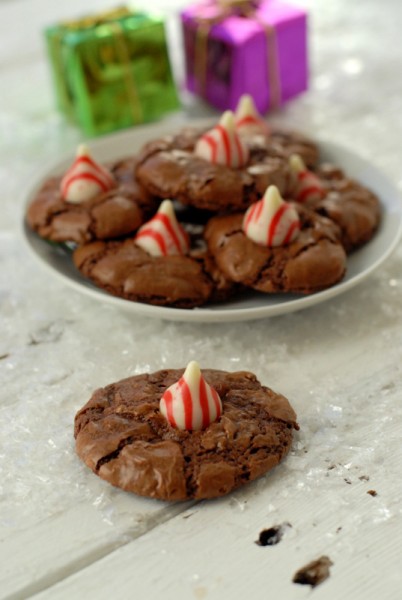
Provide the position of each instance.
(263, 54)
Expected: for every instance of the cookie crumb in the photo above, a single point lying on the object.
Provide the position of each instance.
(272, 536)
(364, 478)
(372, 493)
(314, 573)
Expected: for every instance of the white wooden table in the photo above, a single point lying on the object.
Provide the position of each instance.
(66, 534)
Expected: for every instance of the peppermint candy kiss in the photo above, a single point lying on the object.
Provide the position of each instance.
(308, 186)
(248, 119)
(163, 235)
(191, 403)
(271, 221)
(85, 179)
(222, 145)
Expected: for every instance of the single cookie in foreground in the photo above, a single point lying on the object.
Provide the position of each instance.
(111, 213)
(123, 436)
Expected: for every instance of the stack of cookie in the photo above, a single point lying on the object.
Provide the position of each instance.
(200, 216)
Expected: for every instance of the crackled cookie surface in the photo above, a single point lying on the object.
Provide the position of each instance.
(114, 213)
(123, 437)
(126, 270)
(353, 207)
(313, 261)
(169, 168)
(282, 141)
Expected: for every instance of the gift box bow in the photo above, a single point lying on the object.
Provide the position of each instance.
(215, 12)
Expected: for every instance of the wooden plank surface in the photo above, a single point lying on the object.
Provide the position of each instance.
(320, 495)
(39, 556)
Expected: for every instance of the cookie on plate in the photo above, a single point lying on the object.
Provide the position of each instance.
(277, 247)
(225, 168)
(171, 168)
(329, 192)
(104, 204)
(162, 265)
(125, 270)
(293, 142)
(353, 207)
(182, 434)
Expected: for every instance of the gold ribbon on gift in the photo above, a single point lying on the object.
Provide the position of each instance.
(124, 56)
(111, 19)
(248, 10)
(102, 18)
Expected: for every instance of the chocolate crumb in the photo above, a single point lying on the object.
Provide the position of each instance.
(314, 573)
(271, 536)
(372, 493)
(347, 480)
(339, 529)
(364, 478)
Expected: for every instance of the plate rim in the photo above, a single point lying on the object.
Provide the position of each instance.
(199, 314)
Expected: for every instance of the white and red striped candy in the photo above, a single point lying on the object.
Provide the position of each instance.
(271, 221)
(308, 187)
(223, 145)
(191, 403)
(85, 179)
(248, 119)
(163, 235)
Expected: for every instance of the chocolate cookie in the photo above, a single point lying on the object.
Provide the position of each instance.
(168, 168)
(109, 215)
(123, 269)
(314, 261)
(354, 208)
(123, 437)
(285, 143)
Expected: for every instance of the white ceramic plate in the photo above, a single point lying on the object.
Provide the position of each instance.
(253, 305)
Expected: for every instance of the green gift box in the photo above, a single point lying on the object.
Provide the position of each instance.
(111, 70)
